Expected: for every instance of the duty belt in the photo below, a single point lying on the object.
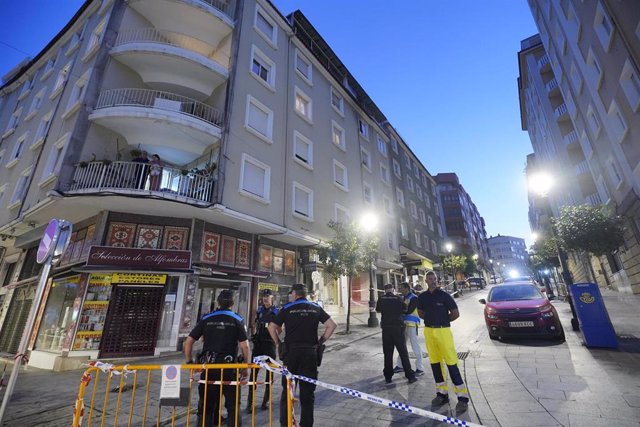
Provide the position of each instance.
(436, 326)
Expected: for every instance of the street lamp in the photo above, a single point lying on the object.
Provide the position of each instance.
(493, 273)
(368, 224)
(449, 247)
(541, 183)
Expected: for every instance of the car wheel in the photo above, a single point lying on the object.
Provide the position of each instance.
(561, 337)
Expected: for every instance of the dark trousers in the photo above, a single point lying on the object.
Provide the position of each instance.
(393, 337)
(261, 349)
(213, 398)
(300, 361)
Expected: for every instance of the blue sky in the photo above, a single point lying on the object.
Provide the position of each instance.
(443, 72)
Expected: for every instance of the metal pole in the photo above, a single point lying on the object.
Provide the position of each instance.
(44, 274)
(373, 319)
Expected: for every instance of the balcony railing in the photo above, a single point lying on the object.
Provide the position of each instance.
(551, 85)
(160, 100)
(543, 61)
(583, 168)
(225, 6)
(132, 177)
(594, 199)
(561, 111)
(570, 138)
(154, 35)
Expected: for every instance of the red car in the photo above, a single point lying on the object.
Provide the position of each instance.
(515, 310)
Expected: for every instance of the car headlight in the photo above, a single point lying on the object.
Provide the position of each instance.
(547, 313)
(492, 316)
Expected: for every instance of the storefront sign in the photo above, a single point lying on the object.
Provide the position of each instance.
(170, 387)
(309, 267)
(146, 259)
(271, 286)
(140, 278)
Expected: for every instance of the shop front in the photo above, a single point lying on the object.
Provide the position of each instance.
(123, 303)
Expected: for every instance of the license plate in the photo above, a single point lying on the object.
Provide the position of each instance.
(521, 324)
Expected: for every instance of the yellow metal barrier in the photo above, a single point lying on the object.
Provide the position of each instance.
(129, 395)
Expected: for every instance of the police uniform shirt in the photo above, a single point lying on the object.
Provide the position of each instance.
(301, 319)
(392, 309)
(436, 307)
(263, 318)
(222, 331)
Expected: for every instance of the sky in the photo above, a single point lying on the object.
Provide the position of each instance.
(444, 72)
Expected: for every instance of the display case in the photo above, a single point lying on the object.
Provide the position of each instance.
(93, 314)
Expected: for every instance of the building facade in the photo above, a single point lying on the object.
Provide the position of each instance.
(509, 256)
(580, 100)
(262, 137)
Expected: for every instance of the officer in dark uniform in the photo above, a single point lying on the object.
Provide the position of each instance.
(393, 309)
(222, 330)
(301, 319)
(263, 345)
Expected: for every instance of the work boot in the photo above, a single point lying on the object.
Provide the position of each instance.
(265, 403)
(462, 405)
(412, 380)
(440, 400)
(397, 370)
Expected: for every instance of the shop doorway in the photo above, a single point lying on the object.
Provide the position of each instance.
(16, 319)
(131, 328)
(168, 331)
(208, 293)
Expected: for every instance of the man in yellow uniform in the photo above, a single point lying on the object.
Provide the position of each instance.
(438, 309)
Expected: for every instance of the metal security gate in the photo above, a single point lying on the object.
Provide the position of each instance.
(131, 327)
(16, 319)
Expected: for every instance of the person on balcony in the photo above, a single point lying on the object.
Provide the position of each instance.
(155, 172)
(141, 170)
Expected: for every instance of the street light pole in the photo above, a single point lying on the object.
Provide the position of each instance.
(368, 223)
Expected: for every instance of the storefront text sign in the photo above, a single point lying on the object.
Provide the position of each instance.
(147, 259)
(140, 278)
(170, 387)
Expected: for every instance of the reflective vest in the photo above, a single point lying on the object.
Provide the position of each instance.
(411, 319)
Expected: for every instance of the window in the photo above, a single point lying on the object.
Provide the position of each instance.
(576, 78)
(391, 241)
(340, 176)
(259, 119)
(9, 270)
(388, 206)
(304, 67)
(55, 157)
(35, 104)
(416, 170)
(618, 123)
(366, 158)
(399, 197)
(430, 222)
(418, 239)
(423, 217)
(434, 247)
(18, 148)
(3, 190)
(630, 83)
(255, 179)
(433, 190)
(594, 122)
(614, 173)
(74, 44)
(396, 169)
(341, 214)
(77, 95)
(337, 136)
(302, 150)
(410, 184)
(263, 68)
(419, 192)
(303, 105)
(595, 69)
(404, 231)
(394, 145)
(413, 209)
(13, 123)
(439, 230)
(367, 193)
(26, 89)
(41, 132)
(48, 69)
(382, 146)
(337, 101)
(19, 190)
(384, 174)
(265, 26)
(407, 160)
(302, 202)
(63, 75)
(95, 40)
(1, 155)
(603, 27)
(424, 179)
(363, 128)
(427, 200)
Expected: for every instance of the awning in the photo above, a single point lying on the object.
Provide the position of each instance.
(387, 265)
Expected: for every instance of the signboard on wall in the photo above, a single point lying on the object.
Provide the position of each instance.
(144, 259)
(139, 278)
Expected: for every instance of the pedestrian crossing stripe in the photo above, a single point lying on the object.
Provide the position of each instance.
(271, 365)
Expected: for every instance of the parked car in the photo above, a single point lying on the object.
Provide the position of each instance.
(478, 282)
(527, 281)
(520, 309)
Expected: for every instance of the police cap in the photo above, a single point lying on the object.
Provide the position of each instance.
(225, 295)
(388, 286)
(266, 292)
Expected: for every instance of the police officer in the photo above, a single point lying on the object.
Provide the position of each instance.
(411, 325)
(392, 311)
(300, 319)
(222, 330)
(263, 345)
(438, 309)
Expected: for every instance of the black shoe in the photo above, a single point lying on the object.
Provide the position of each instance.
(397, 370)
(462, 406)
(412, 380)
(419, 372)
(264, 406)
(387, 381)
(248, 409)
(440, 400)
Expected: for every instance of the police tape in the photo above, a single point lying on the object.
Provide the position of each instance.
(273, 366)
(233, 382)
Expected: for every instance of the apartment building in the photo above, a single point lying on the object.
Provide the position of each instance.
(580, 100)
(262, 137)
(509, 255)
(463, 225)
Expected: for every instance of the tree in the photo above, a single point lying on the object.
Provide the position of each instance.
(589, 229)
(350, 253)
(545, 253)
(453, 263)
(470, 266)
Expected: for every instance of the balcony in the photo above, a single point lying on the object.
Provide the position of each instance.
(208, 20)
(177, 128)
(582, 168)
(552, 87)
(570, 138)
(130, 178)
(561, 112)
(593, 199)
(171, 61)
(544, 63)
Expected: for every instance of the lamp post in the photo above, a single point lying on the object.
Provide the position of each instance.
(449, 247)
(540, 184)
(368, 224)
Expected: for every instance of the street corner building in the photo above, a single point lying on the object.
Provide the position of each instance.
(195, 146)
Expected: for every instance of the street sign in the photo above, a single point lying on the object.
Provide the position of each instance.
(309, 267)
(48, 242)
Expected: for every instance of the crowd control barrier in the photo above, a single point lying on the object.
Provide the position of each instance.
(167, 395)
